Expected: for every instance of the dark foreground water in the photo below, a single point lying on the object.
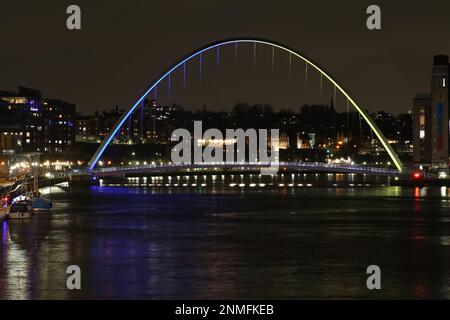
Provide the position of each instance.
(207, 237)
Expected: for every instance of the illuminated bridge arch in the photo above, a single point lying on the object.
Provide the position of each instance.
(95, 158)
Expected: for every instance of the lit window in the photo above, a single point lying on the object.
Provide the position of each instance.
(422, 134)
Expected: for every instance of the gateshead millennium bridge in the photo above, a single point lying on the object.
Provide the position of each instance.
(242, 167)
(309, 64)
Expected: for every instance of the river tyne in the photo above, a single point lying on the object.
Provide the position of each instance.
(297, 236)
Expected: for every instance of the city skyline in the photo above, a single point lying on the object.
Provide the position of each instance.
(39, 121)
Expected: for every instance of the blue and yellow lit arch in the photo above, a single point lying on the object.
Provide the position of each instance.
(95, 158)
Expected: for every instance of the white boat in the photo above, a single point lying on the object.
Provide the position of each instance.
(20, 211)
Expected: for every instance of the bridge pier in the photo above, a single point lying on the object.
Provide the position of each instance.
(83, 180)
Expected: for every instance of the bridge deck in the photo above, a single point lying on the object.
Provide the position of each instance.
(292, 166)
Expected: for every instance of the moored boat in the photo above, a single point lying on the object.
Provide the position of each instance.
(41, 204)
(20, 210)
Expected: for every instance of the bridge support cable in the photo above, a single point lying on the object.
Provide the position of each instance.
(217, 58)
(142, 115)
(348, 116)
(306, 74)
(200, 63)
(273, 57)
(130, 118)
(334, 97)
(289, 93)
(254, 56)
(308, 64)
(169, 83)
(360, 126)
(184, 77)
(290, 64)
(321, 88)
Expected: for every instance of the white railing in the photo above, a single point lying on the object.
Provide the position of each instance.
(297, 165)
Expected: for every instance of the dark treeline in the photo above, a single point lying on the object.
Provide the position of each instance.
(323, 120)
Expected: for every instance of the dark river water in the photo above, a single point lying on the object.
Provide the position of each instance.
(218, 237)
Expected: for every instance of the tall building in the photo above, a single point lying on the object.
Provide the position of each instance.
(35, 124)
(59, 122)
(149, 123)
(431, 118)
(24, 109)
(161, 125)
(93, 129)
(422, 128)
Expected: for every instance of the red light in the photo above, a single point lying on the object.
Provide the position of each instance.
(417, 192)
(417, 175)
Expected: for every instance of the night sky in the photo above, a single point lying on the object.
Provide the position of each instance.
(124, 45)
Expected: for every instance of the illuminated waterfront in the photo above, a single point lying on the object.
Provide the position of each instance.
(214, 236)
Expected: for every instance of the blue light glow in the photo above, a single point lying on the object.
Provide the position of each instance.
(218, 57)
(5, 232)
(169, 80)
(200, 65)
(184, 75)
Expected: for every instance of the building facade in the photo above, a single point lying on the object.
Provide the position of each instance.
(149, 123)
(422, 119)
(30, 123)
(431, 118)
